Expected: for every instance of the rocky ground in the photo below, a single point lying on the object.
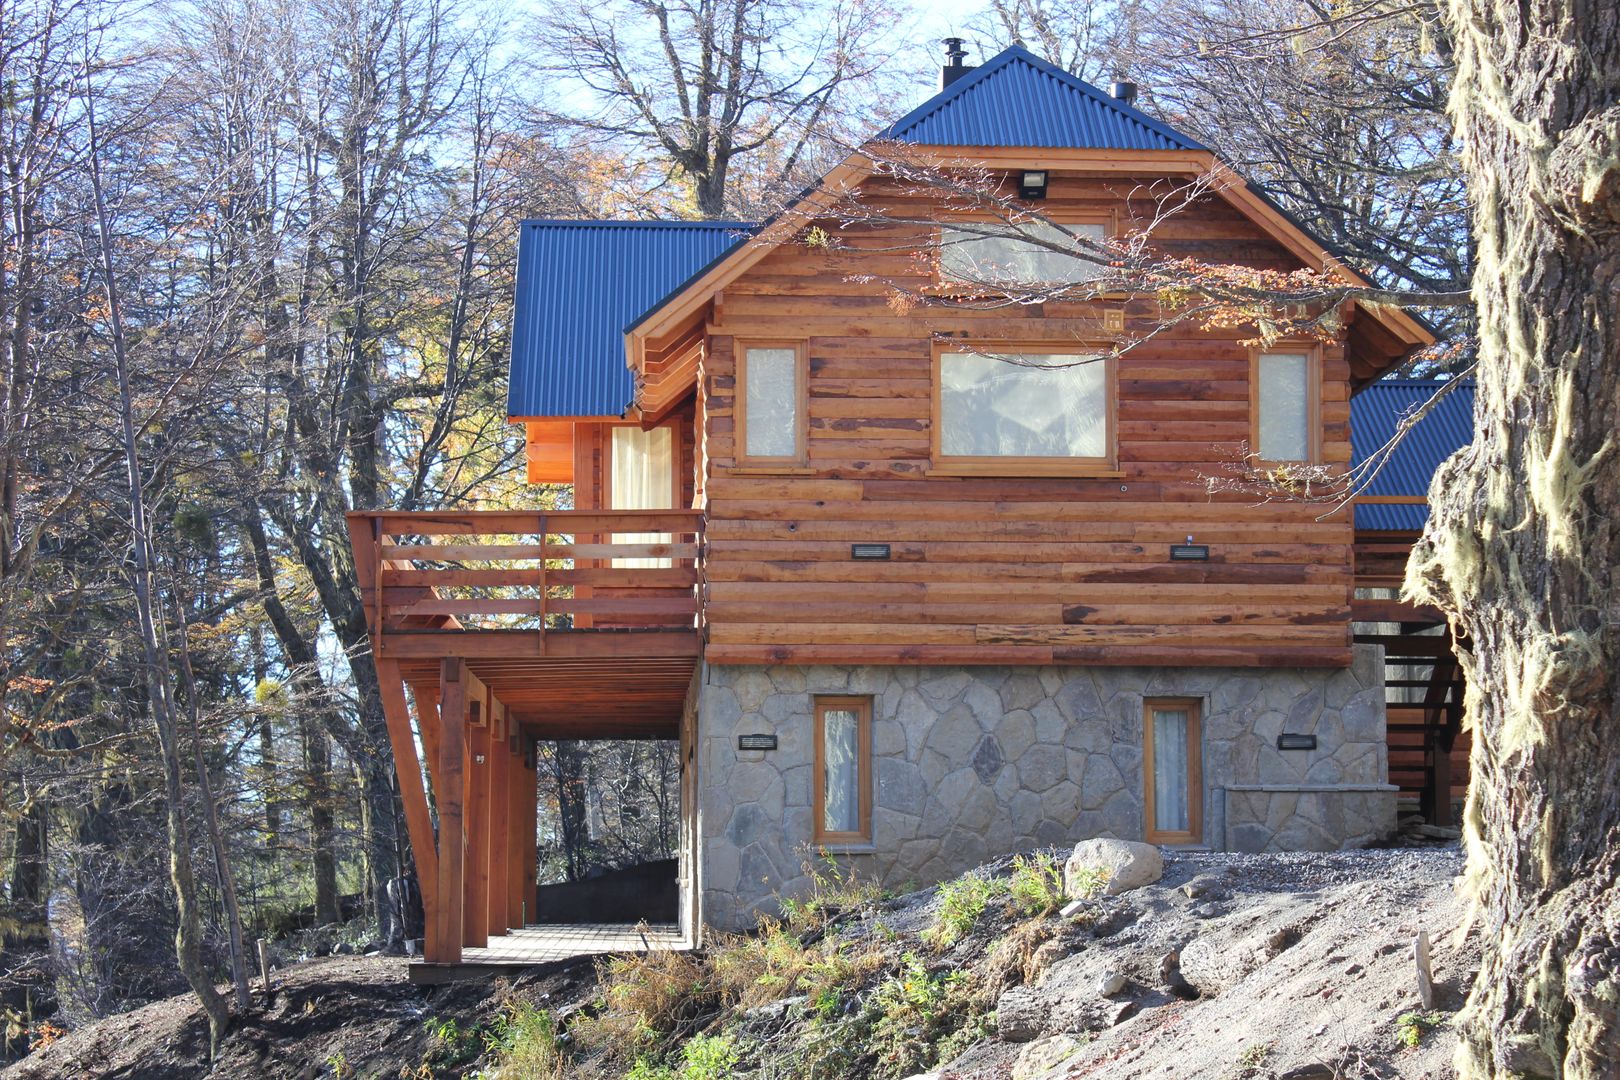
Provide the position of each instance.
(1303, 966)
(1229, 966)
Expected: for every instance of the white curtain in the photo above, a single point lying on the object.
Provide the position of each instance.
(772, 409)
(1170, 776)
(1285, 408)
(1029, 405)
(841, 802)
(643, 478)
(967, 256)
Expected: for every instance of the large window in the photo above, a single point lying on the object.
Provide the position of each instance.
(771, 420)
(1285, 405)
(1008, 410)
(843, 770)
(966, 255)
(1173, 763)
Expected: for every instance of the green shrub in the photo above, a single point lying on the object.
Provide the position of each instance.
(833, 889)
(1411, 1027)
(961, 902)
(1037, 885)
(448, 1045)
(709, 1057)
(1090, 881)
(524, 1044)
(915, 1014)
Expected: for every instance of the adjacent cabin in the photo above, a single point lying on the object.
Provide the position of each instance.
(917, 586)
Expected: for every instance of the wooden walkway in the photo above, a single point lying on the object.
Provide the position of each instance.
(534, 946)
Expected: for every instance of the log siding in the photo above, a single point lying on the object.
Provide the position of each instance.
(1021, 569)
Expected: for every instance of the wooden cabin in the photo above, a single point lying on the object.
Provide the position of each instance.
(901, 601)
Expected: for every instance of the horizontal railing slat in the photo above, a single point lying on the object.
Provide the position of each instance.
(504, 552)
(497, 577)
(497, 522)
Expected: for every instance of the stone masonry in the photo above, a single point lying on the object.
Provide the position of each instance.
(973, 762)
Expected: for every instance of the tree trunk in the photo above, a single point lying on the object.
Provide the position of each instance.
(155, 655)
(322, 821)
(1523, 547)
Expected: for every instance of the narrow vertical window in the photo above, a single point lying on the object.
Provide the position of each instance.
(843, 770)
(642, 477)
(1285, 406)
(771, 421)
(1172, 762)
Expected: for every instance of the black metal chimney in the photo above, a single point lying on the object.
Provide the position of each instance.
(1123, 91)
(954, 68)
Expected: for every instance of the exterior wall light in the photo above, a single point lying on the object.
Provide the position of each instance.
(1032, 184)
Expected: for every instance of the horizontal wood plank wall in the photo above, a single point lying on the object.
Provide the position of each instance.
(1009, 569)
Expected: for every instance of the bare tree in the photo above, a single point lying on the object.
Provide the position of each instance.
(700, 86)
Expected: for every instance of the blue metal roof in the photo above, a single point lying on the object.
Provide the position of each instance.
(580, 284)
(1374, 414)
(1017, 99)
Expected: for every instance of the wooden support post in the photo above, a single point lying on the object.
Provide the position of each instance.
(500, 821)
(531, 836)
(412, 795)
(520, 815)
(475, 923)
(449, 790)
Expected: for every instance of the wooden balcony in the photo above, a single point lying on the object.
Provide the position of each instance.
(492, 630)
(583, 623)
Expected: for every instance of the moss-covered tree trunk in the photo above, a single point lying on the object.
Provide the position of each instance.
(1523, 548)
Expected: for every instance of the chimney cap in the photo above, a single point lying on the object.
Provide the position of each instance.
(954, 68)
(1123, 91)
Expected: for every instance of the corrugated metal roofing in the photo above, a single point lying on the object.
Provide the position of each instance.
(1374, 414)
(579, 285)
(1017, 99)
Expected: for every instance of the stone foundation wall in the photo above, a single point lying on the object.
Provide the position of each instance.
(972, 762)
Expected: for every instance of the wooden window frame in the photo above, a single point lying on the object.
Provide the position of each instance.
(801, 428)
(1313, 392)
(941, 464)
(1108, 219)
(1195, 771)
(862, 706)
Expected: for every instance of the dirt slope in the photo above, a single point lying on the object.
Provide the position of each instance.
(1302, 967)
(358, 1016)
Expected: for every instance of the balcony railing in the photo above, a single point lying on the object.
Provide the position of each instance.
(532, 570)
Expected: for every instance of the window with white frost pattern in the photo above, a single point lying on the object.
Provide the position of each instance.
(1050, 409)
(771, 415)
(1285, 406)
(967, 255)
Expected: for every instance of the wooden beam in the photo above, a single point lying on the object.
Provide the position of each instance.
(413, 796)
(449, 790)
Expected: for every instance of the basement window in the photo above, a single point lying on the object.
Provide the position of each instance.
(1172, 757)
(843, 771)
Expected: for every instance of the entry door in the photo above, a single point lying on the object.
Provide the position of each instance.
(642, 478)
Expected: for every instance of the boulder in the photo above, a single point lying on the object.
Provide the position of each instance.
(1020, 1015)
(1127, 864)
